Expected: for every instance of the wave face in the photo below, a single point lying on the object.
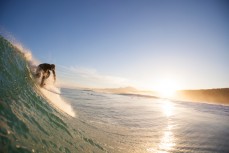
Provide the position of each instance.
(28, 122)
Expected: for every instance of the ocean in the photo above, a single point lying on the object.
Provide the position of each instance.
(84, 121)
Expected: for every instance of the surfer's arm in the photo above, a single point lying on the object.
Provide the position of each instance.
(54, 75)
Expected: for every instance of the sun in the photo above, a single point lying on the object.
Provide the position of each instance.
(166, 88)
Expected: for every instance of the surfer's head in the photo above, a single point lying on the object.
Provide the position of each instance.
(52, 66)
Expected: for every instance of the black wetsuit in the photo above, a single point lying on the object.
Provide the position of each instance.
(45, 69)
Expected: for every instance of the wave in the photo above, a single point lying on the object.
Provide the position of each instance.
(34, 119)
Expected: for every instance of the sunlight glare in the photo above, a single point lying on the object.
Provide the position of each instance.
(166, 88)
(167, 142)
(167, 108)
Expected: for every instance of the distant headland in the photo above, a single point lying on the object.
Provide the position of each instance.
(217, 96)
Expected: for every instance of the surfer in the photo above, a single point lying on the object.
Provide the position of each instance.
(45, 69)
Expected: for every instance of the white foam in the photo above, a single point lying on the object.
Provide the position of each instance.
(26, 52)
(52, 93)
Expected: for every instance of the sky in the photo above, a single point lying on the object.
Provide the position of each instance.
(117, 43)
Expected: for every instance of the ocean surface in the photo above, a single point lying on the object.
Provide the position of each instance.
(83, 121)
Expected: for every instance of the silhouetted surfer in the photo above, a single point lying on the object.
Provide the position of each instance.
(45, 69)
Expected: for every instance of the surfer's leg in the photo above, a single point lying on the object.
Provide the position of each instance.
(42, 81)
(47, 75)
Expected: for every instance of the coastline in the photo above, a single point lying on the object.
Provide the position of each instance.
(210, 96)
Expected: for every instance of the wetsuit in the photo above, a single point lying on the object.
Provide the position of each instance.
(45, 69)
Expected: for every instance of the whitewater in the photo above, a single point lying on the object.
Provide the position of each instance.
(66, 120)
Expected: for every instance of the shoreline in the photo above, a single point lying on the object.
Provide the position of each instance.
(218, 96)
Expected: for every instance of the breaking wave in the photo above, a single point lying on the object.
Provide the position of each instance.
(34, 119)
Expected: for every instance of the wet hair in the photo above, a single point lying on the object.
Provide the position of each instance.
(53, 66)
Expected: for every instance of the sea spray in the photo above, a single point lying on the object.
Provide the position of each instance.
(28, 122)
(32, 65)
(52, 93)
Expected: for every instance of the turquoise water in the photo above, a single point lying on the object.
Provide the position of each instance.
(31, 122)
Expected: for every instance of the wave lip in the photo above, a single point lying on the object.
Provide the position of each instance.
(31, 120)
(52, 93)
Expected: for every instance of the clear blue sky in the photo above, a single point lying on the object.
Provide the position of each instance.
(105, 43)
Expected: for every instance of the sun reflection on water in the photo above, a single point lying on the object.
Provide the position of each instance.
(167, 108)
(167, 140)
